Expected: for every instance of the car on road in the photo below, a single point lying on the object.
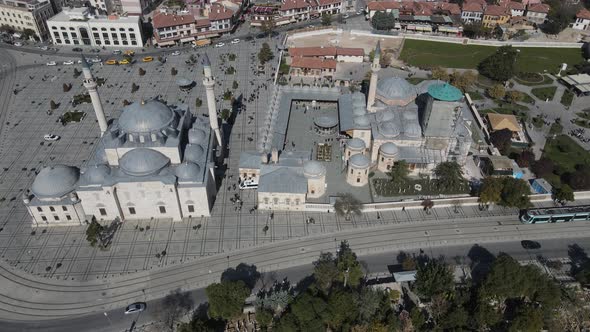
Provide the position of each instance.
(95, 60)
(135, 308)
(51, 63)
(345, 16)
(129, 53)
(148, 59)
(124, 62)
(219, 45)
(44, 48)
(260, 35)
(68, 62)
(360, 12)
(175, 53)
(111, 62)
(117, 52)
(528, 244)
(77, 49)
(235, 41)
(19, 44)
(51, 137)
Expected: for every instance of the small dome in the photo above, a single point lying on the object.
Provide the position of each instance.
(412, 129)
(362, 121)
(96, 174)
(395, 88)
(410, 115)
(55, 181)
(359, 161)
(145, 117)
(444, 92)
(314, 169)
(193, 152)
(389, 149)
(326, 121)
(188, 171)
(385, 116)
(356, 144)
(389, 129)
(183, 82)
(197, 136)
(142, 162)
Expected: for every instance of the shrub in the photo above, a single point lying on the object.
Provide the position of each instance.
(141, 72)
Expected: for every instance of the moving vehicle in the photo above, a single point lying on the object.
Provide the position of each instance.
(135, 308)
(19, 44)
(556, 214)
(77, 49)
(528, 244)
(249, 184)
(202, 42)
(129, 53)
(68, 62)
(95, 60)
(148, 59)
(51, 137)
(51, 63)
(175, 53)
(44, 48)
(219, 45)
(235, 41)
(117, 52)
(124, 62)
(111, 62)
(346, 16)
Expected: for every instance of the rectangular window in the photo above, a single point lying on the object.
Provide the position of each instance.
(52, 209)
(65, 208)
(44, 218)
(162, 209)
(68, 217)
(56, 218)
(103, 211)
(40, 209)
(191, 208)
(131, 210)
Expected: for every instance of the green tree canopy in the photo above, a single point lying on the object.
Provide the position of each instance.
(265, 54)
(399, 172)
(434, 277)
(350, 272)
(563, 194)
(515, 193)
(326, 19)
(341, 309)
(491, 190)
(449, 175)
(325, 271)
(226, 299)
(383, 21)
(500, 65)
(502, 139)
(347, 205)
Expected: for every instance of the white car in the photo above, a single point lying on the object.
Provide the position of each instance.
(360, 12)
(19, 44)
(95, 60)
(44, 48)
(176, 53)
(69, 62)
(116, 52)
(219, 45)
(235, 41)
(51, 63)
(135, 307)
(51, 137)
(346, 16)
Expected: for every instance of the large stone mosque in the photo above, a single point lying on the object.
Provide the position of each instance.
(423, 124)
(154, 161)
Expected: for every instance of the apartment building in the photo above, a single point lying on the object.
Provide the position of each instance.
(78, 26)
(472, 12)
(27, 14)
(495, 15)
(582, 21)
(537, 13)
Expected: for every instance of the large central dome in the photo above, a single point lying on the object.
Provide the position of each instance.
(395, 91)
(146, 117)
(142, 162)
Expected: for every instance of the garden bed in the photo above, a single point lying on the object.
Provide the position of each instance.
(532, 79)
(567, 98)
(546, 93)
(385, 188)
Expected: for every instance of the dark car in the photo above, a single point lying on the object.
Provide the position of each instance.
(77, 49)
(135, 307)
(249, 38)
(261, 35)
(528, 244)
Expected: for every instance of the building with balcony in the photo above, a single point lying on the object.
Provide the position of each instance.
(27, 14)
(582, 21)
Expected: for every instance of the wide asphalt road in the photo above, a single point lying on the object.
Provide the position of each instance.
(115, 320)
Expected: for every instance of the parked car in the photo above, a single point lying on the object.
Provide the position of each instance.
(135, 308)
(129, 53)
(235, 41)
(219, 45)
(528, 244)
(249, 38)
(95, 60)
(77, 49)
(346, 16)
(111, 62)
(175, 53)
(51, 137)
(117, 52)
(44, 48)
(51, 63)
(19, 44)
(68, 62)
(124, 62)
(360, 12)
(148, 59)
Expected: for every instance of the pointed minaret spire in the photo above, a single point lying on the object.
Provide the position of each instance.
(375, 67)
(90, 85)
(209, 83)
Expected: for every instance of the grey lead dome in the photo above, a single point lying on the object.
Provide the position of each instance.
(389, 149)
(314, 169)
(146, 117)
(356, 144)
(55, 181)
(188, 171)
(359, 161)
(143, 162)
(395, 88)
(96, 174)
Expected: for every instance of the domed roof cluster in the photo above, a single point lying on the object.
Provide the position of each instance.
(197, 136)
(385, 116)
(143, 162)
(362, 121)
(314, 169)
(146, 117)
(389, 129)
(395, 88)
(55, 181)
(188, 171)
(359, 161)
(96, 174)
(193, 152)
(356, 144)
(389, 149)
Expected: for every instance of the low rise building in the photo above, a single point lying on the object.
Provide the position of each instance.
(537, 13)
(296, 10)
(516, 8)
(312, 67)
(497, 122)
(78, 26)
(472, 12)
(27, 14)
(340, 54)
(582, 21)
(495, 15)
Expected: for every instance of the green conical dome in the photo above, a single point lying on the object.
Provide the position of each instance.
(444, 92)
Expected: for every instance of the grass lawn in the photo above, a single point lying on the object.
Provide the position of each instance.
(544, 93)
(527, 98)
(567, 98)
(585, 114)
(582, 123)
(530, 59)
(415, 80)
(555, 129)
(566, 153)
(475, 95)
(532, 79)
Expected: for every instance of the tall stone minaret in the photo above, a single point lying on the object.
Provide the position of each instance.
(375, 67)
(209, 83)
(90, 85)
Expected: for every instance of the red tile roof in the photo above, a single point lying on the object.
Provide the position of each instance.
(202, 23)
(515, 5)
(495, 10)
(313, 63)
(219, 12)
(473, 7)
(538, 8)
(163, 20)
(584, 14)
(294, 4)
(324, 51)
(383, 5)
(452, 8)
(327, 2)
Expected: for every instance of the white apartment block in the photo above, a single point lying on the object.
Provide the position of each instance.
(27, 14)
(77, 27)
(582, 21)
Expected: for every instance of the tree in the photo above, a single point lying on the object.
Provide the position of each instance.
(198, 102)
(491, 190)
(308, 311)
(514, 96)
(383, 21)
(399, 173)
(525, 159)
(409, 263)
(559, 17)
(53, 105)
(341, 309)
(94, 232)
(580, 178)
(28, 34)
(346, 205)
(417, 318)
(265, 54)
(463, 81)
(174, 306)
(264, 317)
(433, 278)
(141, 71)
(439, 73)
(427, 204)
(349, 268)
(326, 19)
(515, 193)
(368, 302)
(496, 91)
(268, 26)
(500, 65)
(134, 87)
(226, 299)
(449, 176)
(498, 32)
(543, 167)
(225, 114)
(325, 271)
(563, 194)
(173, 71)
(502, 139)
